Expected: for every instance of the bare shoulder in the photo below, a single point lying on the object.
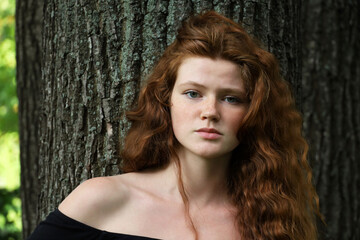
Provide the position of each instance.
(96, 198)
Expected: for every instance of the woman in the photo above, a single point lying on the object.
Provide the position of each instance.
(214, 152)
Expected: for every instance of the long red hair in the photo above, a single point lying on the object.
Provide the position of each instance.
(269, 178)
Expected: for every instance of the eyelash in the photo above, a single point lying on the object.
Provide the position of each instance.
(236, 99)
(187, 93)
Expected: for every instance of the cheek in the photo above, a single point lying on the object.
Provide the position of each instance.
(177, 118)
(180, 112)
(234, 121)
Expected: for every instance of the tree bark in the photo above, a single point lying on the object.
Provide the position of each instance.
(28, 78)
(96, 55)
(331, 88)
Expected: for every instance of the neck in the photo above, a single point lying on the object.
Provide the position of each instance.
(204, 179)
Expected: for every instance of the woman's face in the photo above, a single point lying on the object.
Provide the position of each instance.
(208, 102)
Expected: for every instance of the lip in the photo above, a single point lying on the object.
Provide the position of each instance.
(209, 133)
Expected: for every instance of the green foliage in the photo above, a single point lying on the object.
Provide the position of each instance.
(10, 218)
(8, 99)
(10, 204)
(10, 163)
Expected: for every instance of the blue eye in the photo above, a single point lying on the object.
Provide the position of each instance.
(232, 100)
(192, 94)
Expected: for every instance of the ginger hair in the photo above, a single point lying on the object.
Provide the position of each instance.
(269, 179)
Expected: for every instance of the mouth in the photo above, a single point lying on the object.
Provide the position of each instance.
(209, 133)
(208, 130)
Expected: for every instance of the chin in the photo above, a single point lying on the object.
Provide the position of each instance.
(212, 150)
(212, 154)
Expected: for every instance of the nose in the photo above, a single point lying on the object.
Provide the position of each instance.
(210, 110)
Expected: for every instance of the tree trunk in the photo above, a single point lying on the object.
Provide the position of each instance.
(95, 56)
(331, 88)
(28, 78)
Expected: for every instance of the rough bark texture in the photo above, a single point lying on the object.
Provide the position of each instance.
(331, 103)
(95, 56)
(96, 53)
(28, 77)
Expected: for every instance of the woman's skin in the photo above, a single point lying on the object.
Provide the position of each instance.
(207, 105)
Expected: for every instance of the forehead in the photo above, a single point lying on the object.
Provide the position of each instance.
(207, 71)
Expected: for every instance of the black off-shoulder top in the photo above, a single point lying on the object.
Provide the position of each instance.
(58, 226)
